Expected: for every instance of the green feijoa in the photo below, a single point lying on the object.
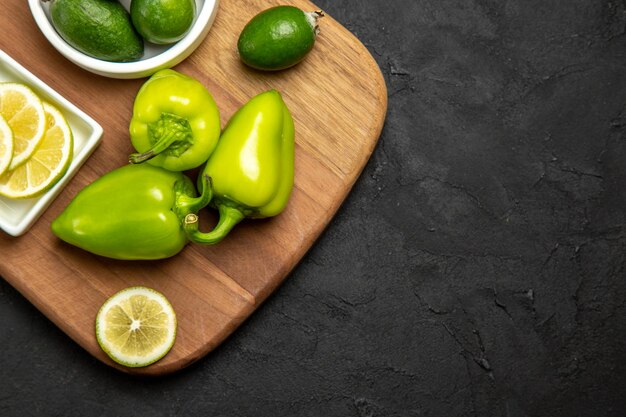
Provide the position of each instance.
(162, 21)
(278, 38)
(99, 28)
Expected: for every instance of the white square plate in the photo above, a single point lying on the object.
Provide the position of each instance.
(17, 216)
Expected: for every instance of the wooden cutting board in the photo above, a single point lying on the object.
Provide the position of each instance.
(338, 100)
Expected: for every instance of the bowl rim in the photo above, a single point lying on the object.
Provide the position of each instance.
(203, 22)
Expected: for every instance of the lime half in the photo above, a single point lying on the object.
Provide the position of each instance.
(136, 326)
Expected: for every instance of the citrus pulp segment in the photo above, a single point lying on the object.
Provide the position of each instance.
(6, 145)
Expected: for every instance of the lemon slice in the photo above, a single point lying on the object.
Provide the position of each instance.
(136, 327)
(6, 145)
(47, 165)
(23, 111)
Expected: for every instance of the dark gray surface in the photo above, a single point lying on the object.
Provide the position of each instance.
(477, 268)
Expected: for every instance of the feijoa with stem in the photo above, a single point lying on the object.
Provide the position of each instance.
(162, 21)
(278, 38)
(99, 28)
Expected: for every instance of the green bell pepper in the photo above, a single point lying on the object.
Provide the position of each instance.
(133, 212)
(252, 168)
(175, 123)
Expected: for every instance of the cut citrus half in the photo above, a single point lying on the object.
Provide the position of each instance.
(47, 165)
(136, 326)
(23, 111)
(6, 145)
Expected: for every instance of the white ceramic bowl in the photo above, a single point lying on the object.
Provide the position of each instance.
(155, 57)
(17, 216)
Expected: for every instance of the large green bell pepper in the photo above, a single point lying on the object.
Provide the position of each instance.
(175, 123)
(133, 212)
(252, 168)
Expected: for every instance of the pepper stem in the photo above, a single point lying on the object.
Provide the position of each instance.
(186, 204)
(160, 146)
(170, 133)
(229, 217)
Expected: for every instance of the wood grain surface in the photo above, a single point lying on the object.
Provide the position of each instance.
(338, 100)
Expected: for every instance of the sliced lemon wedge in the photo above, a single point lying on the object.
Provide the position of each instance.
(23, 111)
(136, 326)
(47, 164)
(6, 145)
